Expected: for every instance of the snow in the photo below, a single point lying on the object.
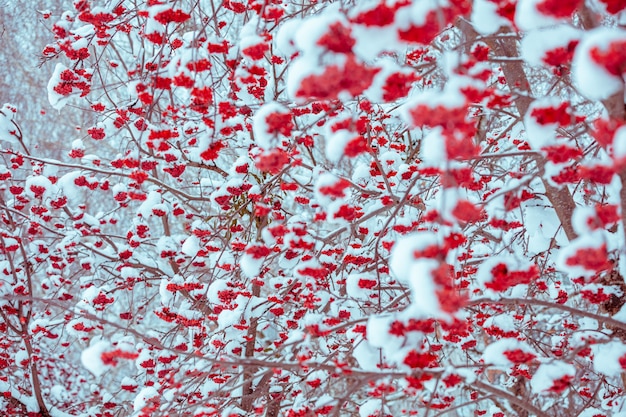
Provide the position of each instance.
(144, 396)
(548, 373)
(528, 17)
(84, 31)
(21, 358)
(28, 401)
(503, 322)
(227, 318)
(327, 179)
(313, 28)
(90, 294)
(592, 240)
(434, 148)
(540, 135)
(325, 400)
(593, 412)
(580, 219)
(8, 128)
(423, 290)
(606, 358)
(375, 92)
(250, 266)
(248, 35)
(543, 225)
(58, 101)
(372, 408)
(536, 43)
(191, 246)
(416, 14)
(91, 357)
(484, 274)
(485, 18)
(378, 333)
(450, 97)
(619, 144)
(166, 295)
(153, 199)
(262, 137)
(354, 290)
(285, 38)
(336, 144)
(70, 189)
(494, 353)
(402, 255)
(591, 79)
(39, 181)
(214, 290)
(367, 357)
(372, 42)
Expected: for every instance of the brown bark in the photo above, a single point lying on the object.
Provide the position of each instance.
(561, 199)
(247, 400)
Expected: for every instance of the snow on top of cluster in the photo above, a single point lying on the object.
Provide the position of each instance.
(423, 288)
(143, 397)
(485, 17)
(366, 356)
(542, 223)
(8, 111)
(451, 97)
(359, 286)
(541, 130)
(528, 16)
(39, 186)
(378, 335)
(336, 144)
(145, 209)
(248, 35)
(91, 357)
(372, 42)
(403, 253)
(553, 376)
(191, 246)
(585, 256)
(588, 219)
(8, 129)
(499, 273)
(376, 92)
(417, 13)
(285, 37)
(433, 150)
(508, 352)
(415, 261)
(329, 187)
(252, 260)
(537, 45)
(619, 144)
(270, 122)
(58, 101)
(591, 78)
(312, 29)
